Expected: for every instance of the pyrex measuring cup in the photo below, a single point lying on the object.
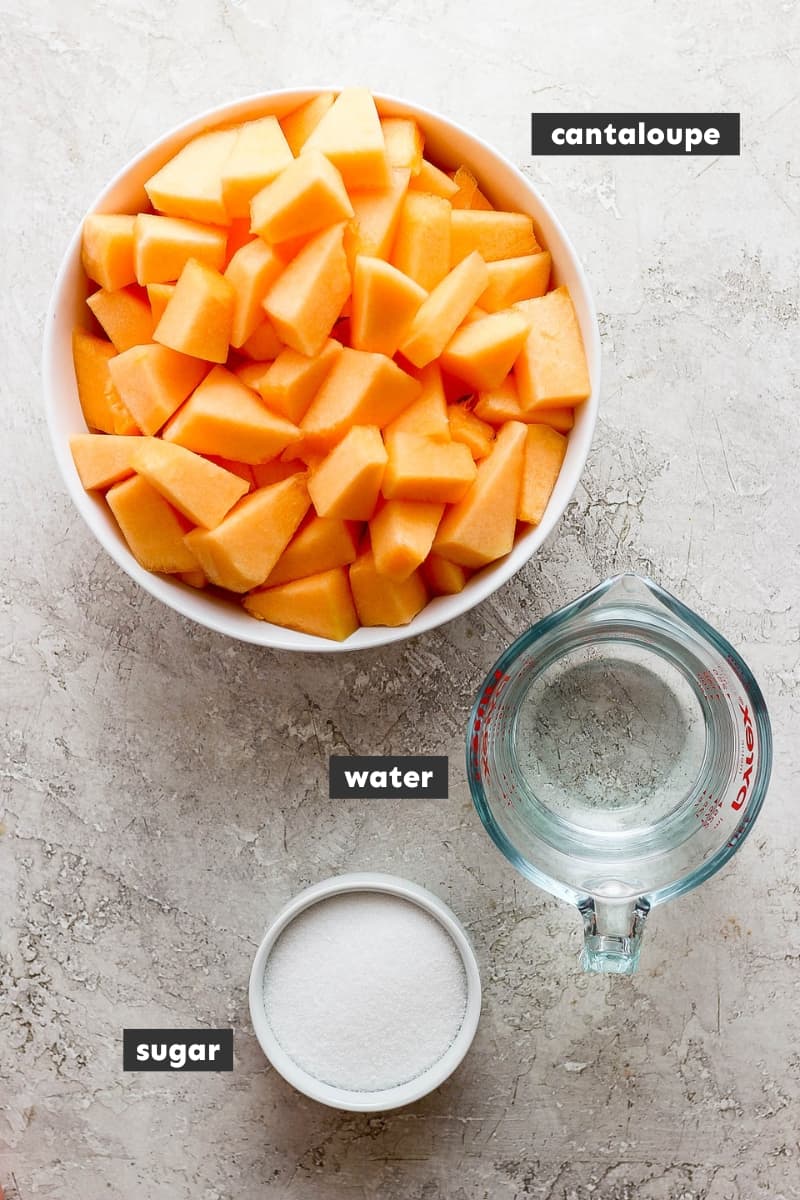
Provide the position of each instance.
(618, 753)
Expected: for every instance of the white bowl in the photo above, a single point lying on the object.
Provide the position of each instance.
(447, 144)
(344, 1098)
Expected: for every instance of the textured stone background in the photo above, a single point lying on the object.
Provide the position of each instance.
(165, 789)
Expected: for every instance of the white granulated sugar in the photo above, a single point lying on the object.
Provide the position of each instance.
(365, 991)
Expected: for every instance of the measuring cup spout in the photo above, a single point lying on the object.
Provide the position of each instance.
(612, 933)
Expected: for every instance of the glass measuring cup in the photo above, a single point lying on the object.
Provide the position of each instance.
(618, 753)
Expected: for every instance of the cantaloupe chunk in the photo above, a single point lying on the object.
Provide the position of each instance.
(432, 179)
(481, 526)
(544, 454)
(307, 196)
(502, 404)
(153, 529)
(350, 135)
(383, 601)
(427, 415)
(125, 316)
(552, 369)
(347, 482)
(373, 226)
(494, 235)
(251, 273)
(299, 124)
(384, 304)
(320, 604)
(513, 279)
(101, 404)
(305, 300)
(238, 235)
(153, 381)
(404, 143)
(159, 295)
(440, 315)
(444, 578)
(198, 318)
(102, 458)
(203, 492)
(483, 352)
(223, 416)
(107, 249)
(292, 381)
(245, 471)
(195, 579)
(421, 469)
(275, 471)
(466, 185)
(421, 247)
(263, 345)
(320, 544)
(164, 245)
(240, 553)
(477, 435)
(361, 389)
(251, 373)
(190, 184)
(401, 534)
(259, 153)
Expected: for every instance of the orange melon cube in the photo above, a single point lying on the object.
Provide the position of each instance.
(481, 526)
(102, 458)
(401, 534)
(292, 381)
(153, 529)
(372, 228)
(466, 185)
(552, 368)
(320, 604)
(190, 183)
(477, 435)
(421, 469)
(252, 373)
(153, 381)
(259, 153)
(421, 247)
(350, 135)
(544, 455)
(125, 316)
(101, 404)
(299, 124)
(361, 389)
(244, 470)
(383, 601)
(240, 553)
(440, 315)
(320, 544)
(251, 273)
(502, 404)
(431, 179)
(404, 143)
(198, 318)
(385, 303)
(494, 235)
(483, 352)
(164, 245)
(275, 471)
(224, 416)
(514, 279)
(203, 492)
(195, 579)
(347, 482)
(305, 300)
(444, 578)
(307, 196)
(107, 250)
(238, 235)
(427, 415)
(263, 345)
(159, 295)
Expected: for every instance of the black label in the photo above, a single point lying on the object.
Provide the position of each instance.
(405, 777)
(635, 133)
(177, 1050)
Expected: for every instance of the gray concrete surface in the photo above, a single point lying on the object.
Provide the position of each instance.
(165, 789)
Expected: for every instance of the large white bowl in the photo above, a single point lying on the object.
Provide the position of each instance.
(448, 144)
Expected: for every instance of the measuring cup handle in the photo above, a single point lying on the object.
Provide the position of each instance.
(612, 932)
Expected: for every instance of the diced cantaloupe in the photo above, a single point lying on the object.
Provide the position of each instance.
(483, 352)
(544, 454)
(427, 415)
(299, 124)
(244, 470)
(307, 196)
(347, 482)
(238, 235)
(361, 389)
(153, 529)
(198, 318)
(159, 295)
(259, 153)
(101, 404)
(251, 273)
(373, 226)
(240, 553)
(401, 534)
(440, 315)
(465, 185)
(224, 416)
(107, 249)
(164, 245)
(552, 369)
(421, 469)
(432, 179)
(251, 373)
(190, 184)
(502, 404)
(480, 527)
(421, 247)
(102, 458)
(350, 135)
(321, 605)
(203, 492)
(383, 601)
(305, 300)
(292, 381)
(125, 316)
(196, 579)
(263, 345)
(153, 381)
(514, 279)
(275, 471)
(494, 235)
(385, 302)
(477, 435)
(404, 143)
(442, 577)
(320, 544)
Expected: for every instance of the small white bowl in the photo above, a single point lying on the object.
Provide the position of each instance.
(447, 144)
(414, 1089)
